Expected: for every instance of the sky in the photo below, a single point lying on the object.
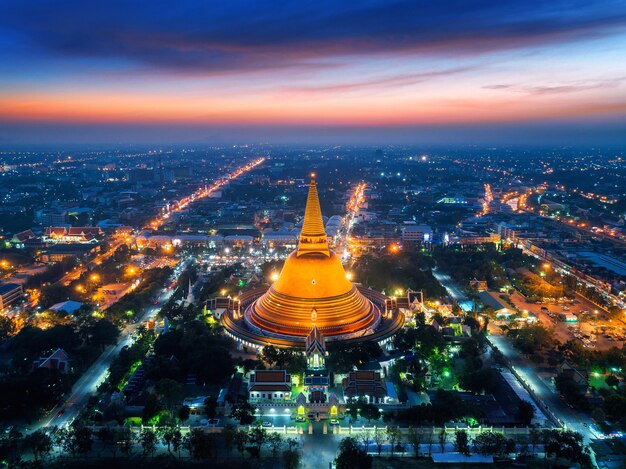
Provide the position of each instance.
(325, 71)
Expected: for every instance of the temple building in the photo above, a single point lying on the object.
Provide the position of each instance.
(315, 350)
(269, 385)
(312, 293)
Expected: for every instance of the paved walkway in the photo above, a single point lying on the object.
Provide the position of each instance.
(319, 450)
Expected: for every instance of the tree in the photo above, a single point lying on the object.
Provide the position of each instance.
(106, 437)
(461, 442)
(369, 411)
(125, 440)
(228, 434)
(199, 444)
(39, 443)
(148, 440)
(275, 441)
(525, 413)
(493, 443)
(103, 333)
(168, 436)
(210, 406)
(241, 438)
(291, 459)
(611, 380)
(380, 437)
(177, 441)
(76, 439)
(535, 439)
(394, 435)
(244, 413)
(170, 391)
(257, 438)
(184, 412)
(443, 436)
(365, 436)
(414, 437)
(352, 456)
(566, 444)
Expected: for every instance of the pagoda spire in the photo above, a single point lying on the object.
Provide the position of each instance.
(313, 235)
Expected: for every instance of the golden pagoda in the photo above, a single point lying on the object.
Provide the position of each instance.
(312, 289)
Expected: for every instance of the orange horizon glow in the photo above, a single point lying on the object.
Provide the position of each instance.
(120, 108)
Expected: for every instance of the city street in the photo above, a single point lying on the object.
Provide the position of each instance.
(87, 384)
(526, 370)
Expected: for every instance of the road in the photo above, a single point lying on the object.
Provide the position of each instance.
(526, 370)
(454, 290)
(88, 383)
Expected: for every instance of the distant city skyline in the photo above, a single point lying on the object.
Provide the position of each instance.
(371, 72)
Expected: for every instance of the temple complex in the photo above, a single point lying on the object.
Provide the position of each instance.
(312, 295)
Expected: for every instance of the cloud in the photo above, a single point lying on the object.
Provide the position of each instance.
(393, 81)
(564, 88)
(237, 35)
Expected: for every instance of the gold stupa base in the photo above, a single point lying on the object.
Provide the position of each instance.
(244, 326)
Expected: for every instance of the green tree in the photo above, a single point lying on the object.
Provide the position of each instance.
(352, 456)
(414, 438)
(228, 434)
(493, 443)
(107, 437)
(394, 436)
(380, 437)
(39, 443)
(369, 411)
(210, 406)
(240, 439)
(442, 437)
(566, 444)
(168, 436)
(170, 391)
(535, 439)
(125, 440)
(257, 437)
(148, 440)
(177, 441)
(525, 413)
(461, 442)
(291, 459)
(275, 441)
(183, 413)
(244, 413)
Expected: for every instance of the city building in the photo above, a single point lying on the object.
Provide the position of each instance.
(19, 240)
(9, 294)
(57, 360)
(417, 234)
(269, 385)
(73, 234)
(367, 384)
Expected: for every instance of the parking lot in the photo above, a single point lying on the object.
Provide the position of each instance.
(593, 329)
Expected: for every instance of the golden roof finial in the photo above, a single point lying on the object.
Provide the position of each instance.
(313, 235)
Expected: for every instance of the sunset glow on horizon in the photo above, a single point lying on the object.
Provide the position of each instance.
(372, 65)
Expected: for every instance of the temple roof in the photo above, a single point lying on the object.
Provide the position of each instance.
(313, 235)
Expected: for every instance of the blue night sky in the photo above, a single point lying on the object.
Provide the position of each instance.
(272, 71)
